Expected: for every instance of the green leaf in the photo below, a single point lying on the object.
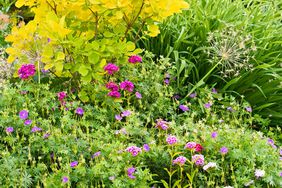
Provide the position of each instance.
(176, 184)
(60, 56)
(83, 96)
(83, 70)
(130, 46)
(165, 184)
(93, 58)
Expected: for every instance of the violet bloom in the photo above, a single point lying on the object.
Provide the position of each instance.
(171, 140)
(280, 174)
(179, 160)
(166, 81)
(249, 109)
(73, 164)
(214, 90)
(23, 114)
(27, 122)
(135, 59)
(36, 129)
(184, 108)
(48, 40)
(114, 94)
(161, 124)
(208, 105)
(127, 85)
(65, 179)
(193, 95)
(118, 117)
(79, 111)
(214, 134)
(26, 71)
(199, 160)
(9, 129)
(176, 96)
(223, 150)
(280, 152)
(230, 109)
(134, 150)
(111, 68)
(97, 154)
(44, 71)
(45, 136)
(130, 172)
(190, 145)
(112, 86)
(138, 95)
(146, 147)
(125, 113)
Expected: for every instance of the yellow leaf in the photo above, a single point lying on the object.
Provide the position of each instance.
(20, 3)
(153, 30)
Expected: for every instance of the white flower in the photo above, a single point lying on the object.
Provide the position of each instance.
(228, 187)
(209, 165)
(259, 173)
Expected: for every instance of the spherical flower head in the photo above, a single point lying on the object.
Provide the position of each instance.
(214, 134)
(112, 86)
(223, 150)
(208, 105)
(130, 172)
(125, 113)
(184, 108)
(209, 165)
(199, 148)
(199, 160)
(171, 140)
(65, 179)
(135, 59)
(73, 164)
(134, 150)
(27, 122)
(26, 71)
(9, 129)
(127, 86)
(36, 129)
(138, 95)
(97, 154)
(111, 68)
(114, 94)
(249, 109)
(190, 145)
(79, 111)
(161, 124)
(259, 173)
(23, 114)
(179, 160)
(61, 95)
(146, 147)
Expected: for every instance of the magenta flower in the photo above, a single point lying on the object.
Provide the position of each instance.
(167, 81)
(127, 85)
(125, 113)
(9, 129)
(184, 108)
(114, 94)
(138, 95)
(223, 150)
(27, 122)
(23, 114)
(130, 172)
(36, 129)
(190, 145)
(134, 150)
(45, 136)
(171, 139)
(97, 154)
(112, 86)
(208, 105)
(146, 147)
(26, 71)
(135, 59)
(214, 134)
(79, 111)
(65, 179)
(249, 109)
(111, 68)
(161, 124)
(73, 164)
(179, 160)
(199, 160)
(61, 95)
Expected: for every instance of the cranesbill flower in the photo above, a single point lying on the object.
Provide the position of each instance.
(36, 129)
(179, 160)
(280, 174)
(26, 71)
(79, 111)
(23, 114)
(125, 113)
(130, 172)
(27, 122)
(199, 160)
(259, 173)
(73, 164)
(127, 85)
(193, 95)
(208, 105)
(249, 109)
(65, 179)
(45, 136)
(114, 94)
(166, 81)
(111, 68)
(209, 165)
(146, 147)
(118, 117)
(138, 95)
(161, 124)
(214, 90)
(112, 86)
(223, 150)
(171, 139)
(184, 108)
(135, 59)
(134, 150)
(9, 129)
(214, 134)
(98, 153)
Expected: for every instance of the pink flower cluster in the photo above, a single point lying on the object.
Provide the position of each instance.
(161, 124)
(179, 160)
(134, 150)
(135, 59)
(127, 86)
(171, 140)
(26, 71)
(114, 90)
(111, 68)
(199, 160)
(194, 146)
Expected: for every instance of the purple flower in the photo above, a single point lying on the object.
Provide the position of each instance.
(166, 81)
(171, 139)
(79, 111)
(146, 147)
(97, 154)
(184, 108)
(214, 134)
(190, 145)
(270, 141)
(199, 160)
(111, 68)
(193, 95)
(280, 152)
(46, 135)
(134, 150)
(249, 109)
(167, 75)
(114, 94)
(73, 164)
(125, 113)
(223, 150)
(61, 95)
(280, 174)
(230, 109)
(214, 90)
(135, 59)
(26, 71)
(36, 129)
(208, 105)
(179, 160)
(65, 179)
(48, 40)
(161, 124)
(176, 96)
(127, 85)
(112, 86)
(9, 129)
(27, 122)
(130, 172)
(44, 71)
(23, 114)
(138, 95)
(118, 117)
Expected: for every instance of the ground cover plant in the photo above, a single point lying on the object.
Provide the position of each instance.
(87, 108)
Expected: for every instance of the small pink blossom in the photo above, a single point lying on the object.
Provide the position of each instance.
(134, 150)
(135, 59)
(127, 86)
(180, 160)
(171, 140)
(111, 68)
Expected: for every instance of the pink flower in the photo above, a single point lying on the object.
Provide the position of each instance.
(138, 95)
(134, 150)
(179, 160)
(130, 172)
(127, 85)
(199, 148)
(171, 140)
(61, 95)
(161, 124)
(112, 86)
(26, 71)
(114, 94)
(135, 59)
(111, 68)
(199, 160)
(190, 145)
